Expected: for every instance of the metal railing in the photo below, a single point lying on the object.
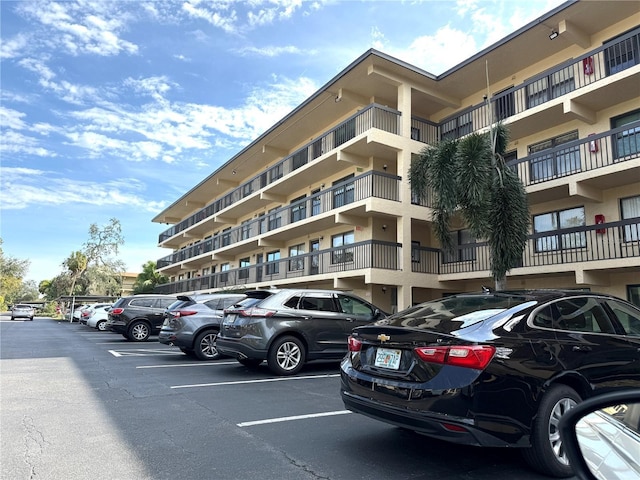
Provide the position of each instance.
(356, 256)
(373, 116)
(370, 184)
(595, 151)
(609, 241)
(571, 75)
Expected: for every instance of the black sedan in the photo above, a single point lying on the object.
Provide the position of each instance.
(494, 369)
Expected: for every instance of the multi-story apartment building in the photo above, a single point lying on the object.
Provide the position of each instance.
(322, 199)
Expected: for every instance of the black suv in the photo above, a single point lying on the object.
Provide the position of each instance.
(192, 323)
(293, 326)
(138, 316)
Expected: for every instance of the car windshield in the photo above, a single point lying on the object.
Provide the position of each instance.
(453, 313)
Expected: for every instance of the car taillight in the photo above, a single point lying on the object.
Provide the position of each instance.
(256, 312)
(116, 311)
(469, 356)
(355, 345)
(182, 313)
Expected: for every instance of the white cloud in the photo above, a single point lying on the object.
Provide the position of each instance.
(272, 51)
(13, 47)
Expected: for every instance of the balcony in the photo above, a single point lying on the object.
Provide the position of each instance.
(311, 209)
(347, 258)
(614, 241)
(569, 77)
(374, 116)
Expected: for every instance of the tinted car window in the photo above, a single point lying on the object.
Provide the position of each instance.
(119, 302)
(142, 302)
(353, 306)
(582, 315)
(292, 302)
(629, 318)
(213, 304)
(227, 302)
(318, 302)
(163, 302)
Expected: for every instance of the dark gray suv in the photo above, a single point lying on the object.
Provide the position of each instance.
(139, 316)
(192, 323)
(293, 326)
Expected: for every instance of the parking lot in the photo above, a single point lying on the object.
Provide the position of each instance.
(78, 404)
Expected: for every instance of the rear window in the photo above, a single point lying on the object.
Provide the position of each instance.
(453, 313)
(120, 302)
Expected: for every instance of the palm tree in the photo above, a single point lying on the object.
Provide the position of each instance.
(149, 278)
(469, 177)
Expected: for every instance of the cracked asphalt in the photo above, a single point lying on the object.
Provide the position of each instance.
(80, 404)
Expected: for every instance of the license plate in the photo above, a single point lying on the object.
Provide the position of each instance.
(388, 358)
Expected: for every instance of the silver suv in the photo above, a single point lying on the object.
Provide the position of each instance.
(293, 326)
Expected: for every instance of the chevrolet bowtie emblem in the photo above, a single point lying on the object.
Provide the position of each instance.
(384, 338)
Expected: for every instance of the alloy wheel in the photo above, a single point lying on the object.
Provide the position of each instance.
(559, 409)
(288, 356)
(208, 345)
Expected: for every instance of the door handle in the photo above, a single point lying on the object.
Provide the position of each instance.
(348, 319)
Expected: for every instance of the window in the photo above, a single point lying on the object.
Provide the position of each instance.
(275, 173)
(553, 221)
(415, 133)
(316, 202)
(629, 318)
(205, 271)
(558, 161)
(464, 249)
(354, 306)
(226, 237)
(298, 209)
(342, 255)
(275, 220)
(579, 314)
(621, 55)
(224, 272)
(273, 265)
(316, 148)
(324, 303)
(551, 86)
(345, 132)
(627, 142)
(247, 189)
(503, 104)
(343, 193)
(633, 294)
(243, 273)
(630, 208)
(299, 159)
(296, 263)
(415, 251)
(245, 229)
(457, 127)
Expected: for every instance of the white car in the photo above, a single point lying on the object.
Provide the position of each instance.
(98, 317)
(85, 311)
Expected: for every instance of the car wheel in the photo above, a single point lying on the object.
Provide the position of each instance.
(205, 346)
(547, 454)
(286, 356)
(102, 325)
(250, 362)
(139, 331)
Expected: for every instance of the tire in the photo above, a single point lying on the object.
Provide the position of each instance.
(139, 331)
(102, 325)
(546, 454)
(286, 356)
(204, 347)
(250, 362)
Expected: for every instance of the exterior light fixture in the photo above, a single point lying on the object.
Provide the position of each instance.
(553, 34)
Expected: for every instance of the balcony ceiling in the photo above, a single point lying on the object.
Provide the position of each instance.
(375, 75)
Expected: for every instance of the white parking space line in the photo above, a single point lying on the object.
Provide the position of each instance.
(264, 380)
(141, 352)
(292, 418)
(200, 364)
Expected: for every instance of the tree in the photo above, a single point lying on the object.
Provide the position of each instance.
(76, 264)
(149, 278)
(103, 242)
(469, 177)
(12, 272)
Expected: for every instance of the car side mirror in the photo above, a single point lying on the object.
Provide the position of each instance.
(601, 436)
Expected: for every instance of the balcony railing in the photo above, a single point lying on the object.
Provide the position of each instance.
(370, 184)
(572, 75)
(356, 256)
(595, 151)
(609, 241)
(374, 116)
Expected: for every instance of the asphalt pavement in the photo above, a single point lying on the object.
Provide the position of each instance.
(76, 404)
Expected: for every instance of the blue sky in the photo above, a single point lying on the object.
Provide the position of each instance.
(114, 109)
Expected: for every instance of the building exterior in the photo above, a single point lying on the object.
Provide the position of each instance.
(323, 200)
(128, 282)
